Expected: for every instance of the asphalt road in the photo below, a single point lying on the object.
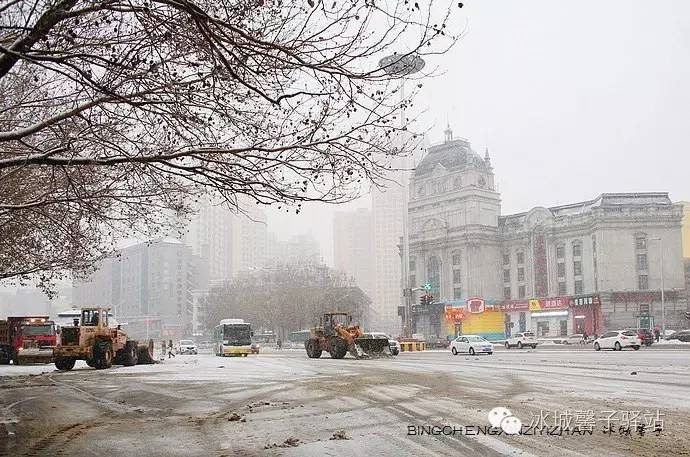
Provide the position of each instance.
(282, 403)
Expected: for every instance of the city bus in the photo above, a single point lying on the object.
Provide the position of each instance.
(233, 337)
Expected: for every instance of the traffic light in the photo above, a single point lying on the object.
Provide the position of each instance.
(687, 315)
(426, 299)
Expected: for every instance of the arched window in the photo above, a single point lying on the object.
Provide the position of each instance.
(433, 274)
(457, 183)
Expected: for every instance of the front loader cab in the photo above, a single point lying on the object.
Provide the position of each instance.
(332, 320)
(94, 317)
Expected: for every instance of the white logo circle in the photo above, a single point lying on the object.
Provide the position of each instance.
(497, 415)
(511, 425)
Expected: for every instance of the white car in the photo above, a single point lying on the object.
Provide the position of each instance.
(577, 338)
(471, 344)
(617, 340)
(187, 347)
(522, 339)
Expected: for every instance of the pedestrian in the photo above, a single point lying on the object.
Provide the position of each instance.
(163, 351)
(584, 336)
(279, 343)
(657, 334)
(170, 349)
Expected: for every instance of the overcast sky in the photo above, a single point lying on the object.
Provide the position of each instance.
(572, 99)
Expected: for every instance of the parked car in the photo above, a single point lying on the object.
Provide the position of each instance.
(645, 335)
(254, 348)
(187, 347)
(682, 335)
(576, 338)
(617, 340)
(471, 344)
(394, 345)
(522, 339)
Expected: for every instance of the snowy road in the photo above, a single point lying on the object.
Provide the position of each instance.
(282, 403)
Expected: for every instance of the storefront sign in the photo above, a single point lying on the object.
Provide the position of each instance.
(585, 300)
(454, 314)
(475, 305)
(515, 306)
(541, 304)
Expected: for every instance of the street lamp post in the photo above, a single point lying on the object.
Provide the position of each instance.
(402, 65)
(663, 303)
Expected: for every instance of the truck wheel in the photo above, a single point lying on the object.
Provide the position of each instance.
(313, 349)
(103, 355)
(64, 363)
(90, 363)
(130, 353)
(338, 348)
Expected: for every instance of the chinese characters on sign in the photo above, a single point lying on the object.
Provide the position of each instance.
(625, 423)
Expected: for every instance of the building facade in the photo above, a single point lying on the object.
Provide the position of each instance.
(147, 281)
(582, 267)
(352, 247)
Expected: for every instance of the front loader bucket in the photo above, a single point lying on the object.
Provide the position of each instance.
(372, 348)
(145, 349)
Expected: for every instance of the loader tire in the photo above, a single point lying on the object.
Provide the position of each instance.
(130, 353)
(103, 355)
(64, 363)
(338, 348)
(313, 349)
(145, 353)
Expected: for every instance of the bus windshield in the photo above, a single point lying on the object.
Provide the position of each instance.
(237, 335)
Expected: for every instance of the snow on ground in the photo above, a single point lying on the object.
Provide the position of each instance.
(283, 403)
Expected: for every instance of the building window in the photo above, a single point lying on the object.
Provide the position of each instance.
(578, 287)
(413, 280)
(560, 252)
(506, 275)
(561, 270)
(457, 277)
(506, 293)
(456, 259)
(457, 293)
(643, 282)
(642, 261)
(457, 183)
(641, 242)
(594, 243)
(520, 258)
(413, 265)
(521, 274)
(420, 191)
(577, 249)
(522, 292)
(506, 259)
(577, 268)
(434, 275)
(561, 288)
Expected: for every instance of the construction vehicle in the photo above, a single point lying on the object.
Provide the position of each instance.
(337, 335)
(27, 339)
(101, 346)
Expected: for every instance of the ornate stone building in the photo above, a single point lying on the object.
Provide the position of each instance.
(608, 247)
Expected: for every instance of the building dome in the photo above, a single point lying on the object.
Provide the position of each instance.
(453, 155)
